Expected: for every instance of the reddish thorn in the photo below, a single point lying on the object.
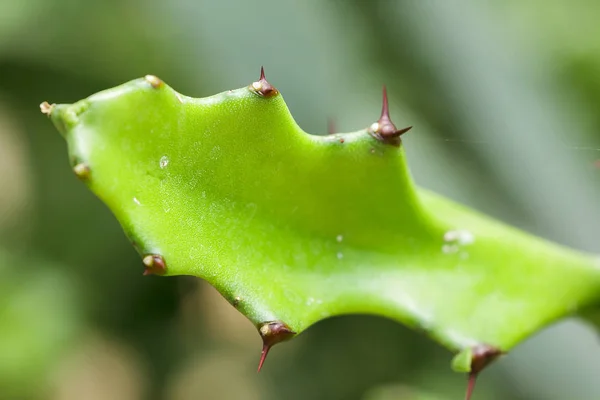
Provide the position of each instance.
(384, 129)
(263, 87)
(385, 110)
(331, 126)
(272, 333)
(597, 164)
(471, 385)
(482, 356)
(403, 130)
(155, 264)
(263, 356)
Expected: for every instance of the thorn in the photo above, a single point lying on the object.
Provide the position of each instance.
(263, 356)
(262, 73)
(385, 110)
(482, 356)
(384, 129)
(263, 87)
(82, 171)
(272, 333)
(331, 128)
(403, 130)
(154, 81)
(155, 265)
(597, 164)
(471, 386)
(46, 108)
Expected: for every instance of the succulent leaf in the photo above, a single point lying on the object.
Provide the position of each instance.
(293, 228)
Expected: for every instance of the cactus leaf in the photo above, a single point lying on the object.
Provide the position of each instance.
(292, 228)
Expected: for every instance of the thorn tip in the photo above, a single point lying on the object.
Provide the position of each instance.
(263, 356)
(471, 386)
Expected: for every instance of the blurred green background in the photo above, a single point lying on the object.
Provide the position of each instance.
(505, 99)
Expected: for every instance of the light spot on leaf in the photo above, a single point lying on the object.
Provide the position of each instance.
(462, 237)
(164, 161)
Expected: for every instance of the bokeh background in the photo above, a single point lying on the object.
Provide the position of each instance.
(505, 99)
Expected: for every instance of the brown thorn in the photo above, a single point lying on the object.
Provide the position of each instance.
(482, 356)
(262, 73)
(155, 264)
(403, 130)
(263, 356)
(272, 333)
(384, 129)
(263, 87)
(331, 128)
(385, 110)
(471, 385)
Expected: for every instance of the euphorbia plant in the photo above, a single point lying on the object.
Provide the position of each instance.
(292, 228)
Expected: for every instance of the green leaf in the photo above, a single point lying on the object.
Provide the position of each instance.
(293, 228)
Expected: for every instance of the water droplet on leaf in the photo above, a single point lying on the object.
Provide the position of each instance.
(164, 161)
